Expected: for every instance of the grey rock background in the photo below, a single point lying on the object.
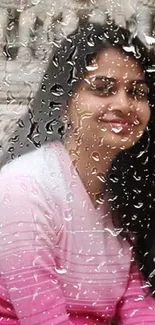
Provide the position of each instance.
(28, 29)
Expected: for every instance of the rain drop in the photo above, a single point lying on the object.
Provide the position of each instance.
(101, 177)
(56, 61)
(95, 156)
(91, 40)
(60, 270)
(11, 149)
(50, 126)
(6, 198)
(68, 215)
(20, 123)
(139, 205)
(69, 197)
(117, 129)
(14, 139)
(35, 2)
(57, 90)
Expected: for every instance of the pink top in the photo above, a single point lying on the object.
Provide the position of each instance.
(61, 261)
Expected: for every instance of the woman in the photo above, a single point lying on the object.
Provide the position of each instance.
(76, 215)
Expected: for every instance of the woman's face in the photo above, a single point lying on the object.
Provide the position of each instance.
(110, 106)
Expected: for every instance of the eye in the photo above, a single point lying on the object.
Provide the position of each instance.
(104, 89)
(139, 92)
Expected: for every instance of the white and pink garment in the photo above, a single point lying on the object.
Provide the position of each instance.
(61, 260)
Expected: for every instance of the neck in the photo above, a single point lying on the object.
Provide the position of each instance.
(92, 162)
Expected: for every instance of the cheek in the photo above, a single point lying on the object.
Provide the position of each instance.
(144, 113)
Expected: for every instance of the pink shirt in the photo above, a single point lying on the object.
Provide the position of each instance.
(62, 261)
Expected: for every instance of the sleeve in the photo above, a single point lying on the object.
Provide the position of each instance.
(136, 307)
(27, 264)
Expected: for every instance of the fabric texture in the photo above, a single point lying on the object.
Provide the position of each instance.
(61, 260)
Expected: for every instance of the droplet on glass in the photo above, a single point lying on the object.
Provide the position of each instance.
(94, 171)
(117, 129)
(50, 126)
(57, 90)
(55, 106)
(11, 149)
(20, 123)
(43, 87)
(101, 177)
(56, 60)
(138, 205)
(6, 198)
(69, 197)
(95, 156)
(14, 139)
(60, 270)
(68, 215)
(90, 40)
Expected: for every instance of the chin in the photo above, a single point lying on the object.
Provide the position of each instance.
(117, 142)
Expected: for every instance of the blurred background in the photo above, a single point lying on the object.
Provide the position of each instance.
(28, 31)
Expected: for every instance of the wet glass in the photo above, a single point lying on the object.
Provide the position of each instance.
(77, 151)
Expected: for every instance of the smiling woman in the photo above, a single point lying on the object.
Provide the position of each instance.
(77, 215)
(115, 95)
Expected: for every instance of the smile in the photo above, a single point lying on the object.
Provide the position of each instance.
(119, 126)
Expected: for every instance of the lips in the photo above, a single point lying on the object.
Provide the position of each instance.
(120, 126)
(120, 122)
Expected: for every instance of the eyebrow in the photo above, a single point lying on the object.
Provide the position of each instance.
(113, 79)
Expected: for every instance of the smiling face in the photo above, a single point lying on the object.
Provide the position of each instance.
(110, 107)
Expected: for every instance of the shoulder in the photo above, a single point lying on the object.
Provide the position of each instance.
(41, 171)
(40, 165)
(27, 185)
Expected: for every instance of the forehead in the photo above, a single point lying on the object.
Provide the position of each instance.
(114, 63)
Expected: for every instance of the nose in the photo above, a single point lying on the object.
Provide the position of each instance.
(122, 102)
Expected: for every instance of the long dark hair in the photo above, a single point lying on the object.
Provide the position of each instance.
(131, 180)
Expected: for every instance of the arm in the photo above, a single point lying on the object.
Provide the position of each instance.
(136, 306)
(27, 265)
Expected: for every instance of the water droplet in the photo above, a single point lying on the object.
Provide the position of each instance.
(68, 215)
(101, 177)
(113, 178)
(56, 60)
(6, 198)
(137, 178)
(72, 77)
(90, 40)
(57, 90)
(130, 48)
(152, 274)
(95, 156)
(43, 87)
(14, 139)
(60, 270)
(35, 2)
(115, 232)
(55, 106)
(50, 126)
(94, 171)
(117, 129)
(139, 205)
(34, 133)
(69, 197)
(11, 149)
(103, 128)
(20, 123)
(20, 224)
(91, 67)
